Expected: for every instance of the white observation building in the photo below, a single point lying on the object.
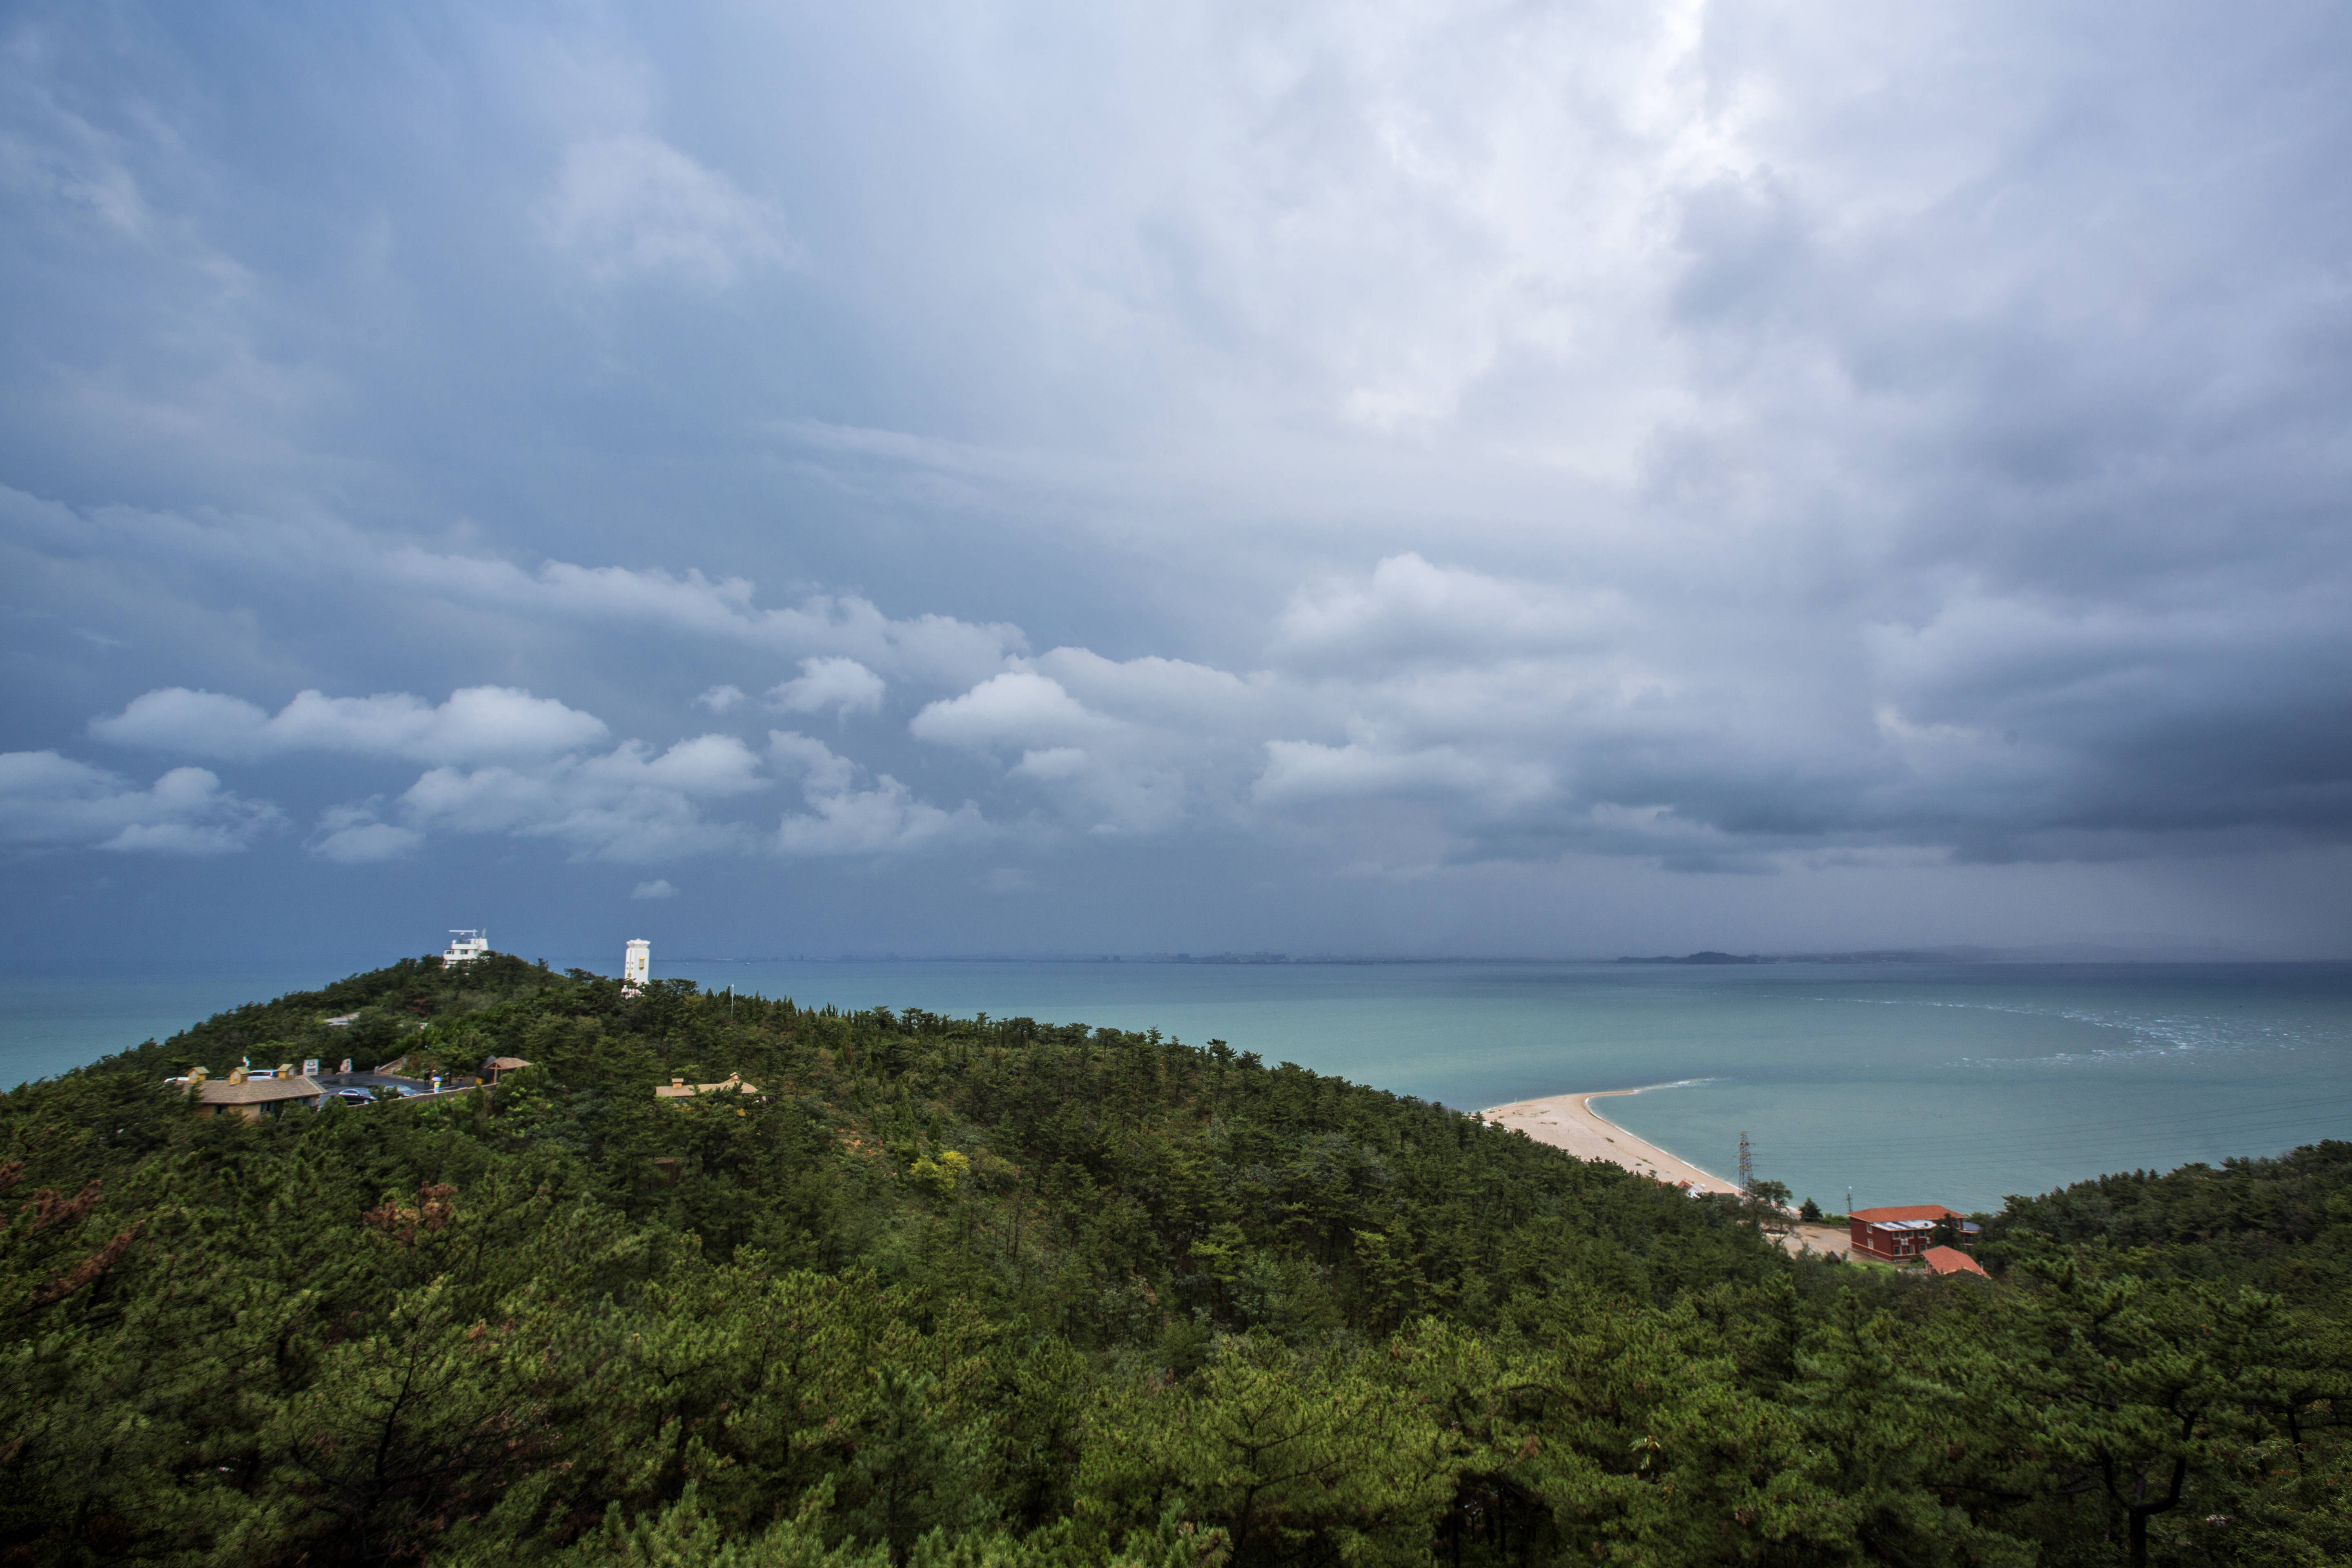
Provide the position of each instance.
(465, 946)
(638, 967)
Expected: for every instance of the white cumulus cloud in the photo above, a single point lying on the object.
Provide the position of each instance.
(843, 819)
(830, 682)
(1408, 610)
(720, 698)
(357, 835)
(1017, 708)
(49, 799)
(629, 805)
(477, 723)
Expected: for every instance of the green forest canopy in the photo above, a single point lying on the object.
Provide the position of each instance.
(988, 1291)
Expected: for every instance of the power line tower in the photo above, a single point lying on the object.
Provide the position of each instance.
(1747, 1166)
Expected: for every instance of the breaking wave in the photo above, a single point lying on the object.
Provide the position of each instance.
(2145, 1036)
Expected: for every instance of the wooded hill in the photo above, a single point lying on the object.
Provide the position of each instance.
(997, 1292)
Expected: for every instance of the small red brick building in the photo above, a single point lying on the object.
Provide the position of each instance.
(1949, 1260)
(1902, 1234)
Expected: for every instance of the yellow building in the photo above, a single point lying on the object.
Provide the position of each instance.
(678, 1089)
(250, 1095)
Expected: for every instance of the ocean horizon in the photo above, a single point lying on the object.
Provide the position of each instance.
(1895, 1082)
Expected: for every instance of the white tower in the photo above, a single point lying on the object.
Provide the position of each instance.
(638, 967)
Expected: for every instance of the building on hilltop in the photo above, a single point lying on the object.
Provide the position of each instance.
(250, 1095)
(637, 965)
(1902, 1234)
(465, 946)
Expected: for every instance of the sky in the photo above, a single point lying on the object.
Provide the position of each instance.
(1374, 478)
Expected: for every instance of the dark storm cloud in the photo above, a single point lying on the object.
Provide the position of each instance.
(1410, 445)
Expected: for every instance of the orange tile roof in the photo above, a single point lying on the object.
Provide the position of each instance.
(1905, 1211)
(1951, 1260)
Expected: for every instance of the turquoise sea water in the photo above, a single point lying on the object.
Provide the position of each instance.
(53, 1021)
(1954, 1084)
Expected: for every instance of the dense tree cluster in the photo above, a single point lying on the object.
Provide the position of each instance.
(992, 1292)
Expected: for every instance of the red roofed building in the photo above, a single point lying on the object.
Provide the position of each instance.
(1899, 1234)
(1949, 1260)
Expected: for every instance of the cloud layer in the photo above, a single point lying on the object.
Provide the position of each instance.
(1398, 445)
(1511, 719)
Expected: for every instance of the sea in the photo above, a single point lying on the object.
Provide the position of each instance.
(1854, 1084)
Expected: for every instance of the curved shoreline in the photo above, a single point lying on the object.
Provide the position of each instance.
(1569, 1121)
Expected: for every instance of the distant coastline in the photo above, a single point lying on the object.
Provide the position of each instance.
(2061, 952)
(2056, 953)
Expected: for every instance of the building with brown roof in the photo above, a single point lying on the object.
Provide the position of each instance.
(498, 1065)
(1901, 1234)
(1949, 1260)
(253, 1098)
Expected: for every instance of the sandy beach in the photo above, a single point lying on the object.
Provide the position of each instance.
(1569, 1121)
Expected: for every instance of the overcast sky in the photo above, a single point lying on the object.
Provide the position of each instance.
(1366, 478)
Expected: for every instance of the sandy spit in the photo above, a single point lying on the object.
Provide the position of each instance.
(1569, 1121)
